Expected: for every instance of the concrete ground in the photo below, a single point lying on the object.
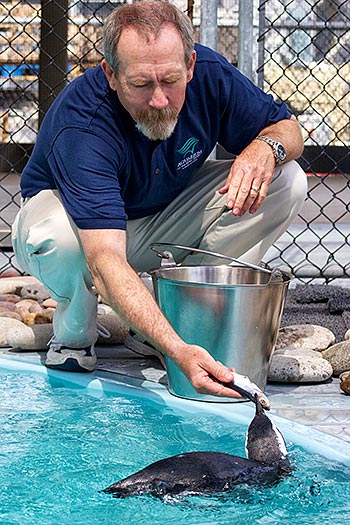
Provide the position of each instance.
(320, 406)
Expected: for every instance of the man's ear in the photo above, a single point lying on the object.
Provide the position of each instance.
(191, 66)
(108, 71)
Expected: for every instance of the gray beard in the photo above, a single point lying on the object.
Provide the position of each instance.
(156, 124)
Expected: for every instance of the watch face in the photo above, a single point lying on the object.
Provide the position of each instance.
(281, 152)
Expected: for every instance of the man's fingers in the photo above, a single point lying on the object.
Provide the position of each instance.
(237, 185)
(221, 373)
(218, 389)
(207, 375)
(224, 189)
(257, 202)
(213, 380)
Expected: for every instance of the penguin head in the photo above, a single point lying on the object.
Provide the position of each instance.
(264, 442)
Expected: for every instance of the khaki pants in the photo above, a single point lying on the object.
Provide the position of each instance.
(47, 245)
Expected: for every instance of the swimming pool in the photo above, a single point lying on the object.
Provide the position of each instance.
(64, 437)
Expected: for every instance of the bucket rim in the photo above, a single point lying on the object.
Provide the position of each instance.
(284, 278)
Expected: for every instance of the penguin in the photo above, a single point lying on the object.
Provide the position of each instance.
(213, 472)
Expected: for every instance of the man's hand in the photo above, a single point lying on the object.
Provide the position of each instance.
(249, 179)
(250, 176)
(206, 375)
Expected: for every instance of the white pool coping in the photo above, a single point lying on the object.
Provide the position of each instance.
(101, 383)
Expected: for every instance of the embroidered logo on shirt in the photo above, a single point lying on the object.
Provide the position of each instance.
(189, 156)
(188, 147)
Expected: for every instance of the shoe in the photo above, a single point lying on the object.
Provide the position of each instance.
(71, 359)
(139, 345)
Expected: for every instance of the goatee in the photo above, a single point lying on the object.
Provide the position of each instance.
(156, 124)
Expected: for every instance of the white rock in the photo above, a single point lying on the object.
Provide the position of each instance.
(35, 337)
(7, 325)
(288, 369)
(308, 336)
(338, 356)
(11, 284)
(297, 352)
(35, 291)
(115, 325)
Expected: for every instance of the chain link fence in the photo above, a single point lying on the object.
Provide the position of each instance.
(305, 59)
(300, 52)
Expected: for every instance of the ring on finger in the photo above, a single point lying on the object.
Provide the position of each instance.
(254, 192)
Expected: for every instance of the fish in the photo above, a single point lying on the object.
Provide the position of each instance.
(244, 386)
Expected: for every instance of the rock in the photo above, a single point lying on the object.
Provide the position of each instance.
(49, 303)
(49, 313)
(116, 326)
(347, 335)
(294, 369)
(10, 272)
(344, 375)
(38, 318)
(34, 337)
(11, 298)
(7, 325)
(11, 315)
(14, 284)
(6, 306)
(24, 307)
(338, 356)
(35, 308)
(26, 302)
(345, 387)
(35, 291)
(22, 311)
(345, 382)
(29, 318)
(297, 352)
(308, 336)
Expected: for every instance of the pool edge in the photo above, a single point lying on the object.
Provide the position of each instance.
(101, 383)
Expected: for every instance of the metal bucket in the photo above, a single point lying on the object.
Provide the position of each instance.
(234, 312)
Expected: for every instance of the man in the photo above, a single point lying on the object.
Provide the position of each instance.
(120, 162)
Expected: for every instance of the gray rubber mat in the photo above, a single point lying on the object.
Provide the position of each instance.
(323, 305)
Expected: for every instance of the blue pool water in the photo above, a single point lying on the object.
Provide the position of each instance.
(59, 446)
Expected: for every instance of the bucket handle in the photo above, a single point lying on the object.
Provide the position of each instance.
(167, 255)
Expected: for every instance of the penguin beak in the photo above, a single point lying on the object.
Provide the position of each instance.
(259, 409)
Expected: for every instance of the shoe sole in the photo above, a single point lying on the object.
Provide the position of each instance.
(69, 365)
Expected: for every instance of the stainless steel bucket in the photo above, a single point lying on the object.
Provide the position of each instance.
(234, 312)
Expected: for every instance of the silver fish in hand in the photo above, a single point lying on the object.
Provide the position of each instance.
(244, 386)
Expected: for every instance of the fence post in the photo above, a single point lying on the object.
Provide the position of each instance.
(245, 38)
(261, 44)
(208, 33)
(208, 29)
(53, 52)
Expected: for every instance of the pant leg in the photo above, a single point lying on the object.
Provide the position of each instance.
(47, 246)
(199, 218)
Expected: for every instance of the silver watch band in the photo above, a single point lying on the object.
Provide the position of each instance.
(276, 146)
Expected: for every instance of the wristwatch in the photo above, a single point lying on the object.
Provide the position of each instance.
(278, 150)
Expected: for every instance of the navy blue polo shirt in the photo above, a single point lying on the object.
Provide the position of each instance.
(107, 172)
